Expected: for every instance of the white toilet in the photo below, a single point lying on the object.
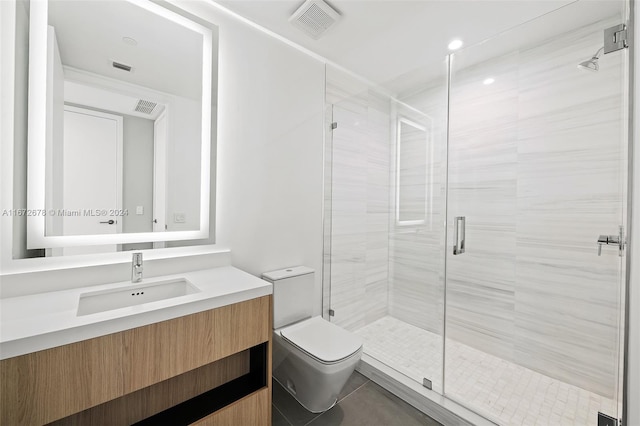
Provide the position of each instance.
(312, 358)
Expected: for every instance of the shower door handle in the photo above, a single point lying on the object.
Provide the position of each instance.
(458, 235)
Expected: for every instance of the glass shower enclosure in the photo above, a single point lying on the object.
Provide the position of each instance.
(475, 220)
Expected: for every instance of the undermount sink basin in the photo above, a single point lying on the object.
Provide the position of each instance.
(135, 294)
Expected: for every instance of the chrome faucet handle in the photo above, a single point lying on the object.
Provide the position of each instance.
(136, 268)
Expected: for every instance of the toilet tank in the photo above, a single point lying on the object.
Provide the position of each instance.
(292, 294)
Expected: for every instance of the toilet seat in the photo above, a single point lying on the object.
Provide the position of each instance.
(322, 340)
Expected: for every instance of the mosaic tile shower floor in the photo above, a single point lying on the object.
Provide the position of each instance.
(501, 390)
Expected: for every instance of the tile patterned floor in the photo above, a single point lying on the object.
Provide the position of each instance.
(503, 391)
(361, 403)
(412, 351)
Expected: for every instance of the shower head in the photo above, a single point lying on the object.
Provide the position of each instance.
(591, 64)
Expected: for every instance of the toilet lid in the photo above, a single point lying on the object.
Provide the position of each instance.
(322, 340)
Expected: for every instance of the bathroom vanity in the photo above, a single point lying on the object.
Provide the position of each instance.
(203, 358)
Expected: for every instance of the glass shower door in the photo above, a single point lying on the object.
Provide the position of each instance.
(537, 171)
(384, 215)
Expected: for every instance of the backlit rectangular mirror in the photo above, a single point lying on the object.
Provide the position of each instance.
(413, 173)
(120, 104)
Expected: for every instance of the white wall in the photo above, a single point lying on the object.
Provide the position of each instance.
(137, 171)
(183, 174)
(270, 151)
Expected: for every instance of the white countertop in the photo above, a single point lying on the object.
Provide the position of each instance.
(46, 320)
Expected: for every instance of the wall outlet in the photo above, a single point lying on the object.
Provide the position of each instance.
(179, 218)
(139, 209)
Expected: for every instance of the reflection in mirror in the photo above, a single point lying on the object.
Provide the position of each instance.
(124, 155)
(413, 173)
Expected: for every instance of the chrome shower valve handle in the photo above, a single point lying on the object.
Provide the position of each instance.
(612, 240)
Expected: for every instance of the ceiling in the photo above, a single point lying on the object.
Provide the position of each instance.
(390, 42)
(167, 56)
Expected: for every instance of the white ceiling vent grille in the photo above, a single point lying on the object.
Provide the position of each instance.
(145, 107)
(121, 66)
(314, 18)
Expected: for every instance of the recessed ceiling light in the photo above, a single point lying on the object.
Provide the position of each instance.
(455, 44)
(488, 81)
(130, 41)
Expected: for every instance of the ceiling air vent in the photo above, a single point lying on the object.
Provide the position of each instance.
(145, 107)
(120, 66)
(314, 18)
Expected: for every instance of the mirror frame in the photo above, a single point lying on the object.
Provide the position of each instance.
(36, 210)
(428, 199)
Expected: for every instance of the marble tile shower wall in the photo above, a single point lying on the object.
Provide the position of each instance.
(416, 262)
(359, 203)
(535, 166)
(483, 165)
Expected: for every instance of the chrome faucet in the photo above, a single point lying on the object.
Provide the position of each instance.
(136, 268)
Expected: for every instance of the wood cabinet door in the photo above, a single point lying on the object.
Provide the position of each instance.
(44, 386)
(159, 351)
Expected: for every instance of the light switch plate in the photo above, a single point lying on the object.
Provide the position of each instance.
(139, 209)
(179, 218)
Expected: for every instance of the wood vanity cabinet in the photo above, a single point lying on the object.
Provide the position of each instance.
(251, 410)
(126, 377)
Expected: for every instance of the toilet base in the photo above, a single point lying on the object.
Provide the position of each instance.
(284, 385)
(315, 385)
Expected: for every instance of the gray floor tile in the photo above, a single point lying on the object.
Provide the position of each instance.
(295, 413)
(371, 405)
(277, 419)
(355, 381)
